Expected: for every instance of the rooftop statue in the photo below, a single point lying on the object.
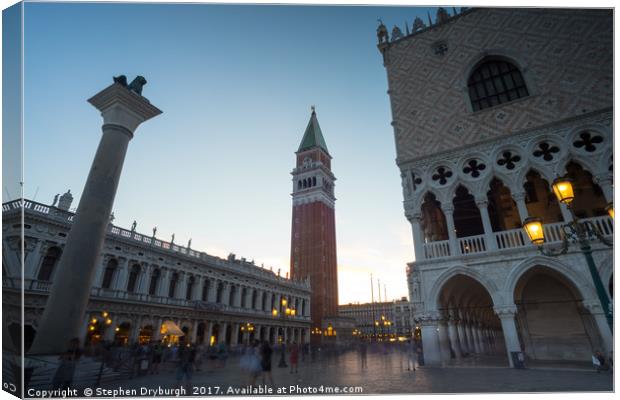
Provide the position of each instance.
(382, 33)
(418, 24)
(135, 85)
(396, 33)
(442, 15)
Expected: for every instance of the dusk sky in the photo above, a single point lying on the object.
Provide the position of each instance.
(235, 84)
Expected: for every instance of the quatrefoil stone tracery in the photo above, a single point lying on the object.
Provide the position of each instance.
(546, 151)
(508, 160)
(588, 141)
(441, 175)
(474, 168)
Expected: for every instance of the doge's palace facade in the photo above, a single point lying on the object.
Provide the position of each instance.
(490, 106)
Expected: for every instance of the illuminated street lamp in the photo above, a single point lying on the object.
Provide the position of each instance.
(610, 210)
(575, 231)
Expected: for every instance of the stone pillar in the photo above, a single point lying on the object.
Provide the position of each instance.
(34, 259)
(237, 299)
(181, 289)
(594, 307)
(164, 282)
(448, 210)
(157, 329)
(462, 337)
(145, 279)
(259, 299)
(226, 293)
(222, 332)
(444, 341)
(194, 331)
(121, 276)
(506, 315)
(479, 338)
(212, 295)
(197, 289)
(122, 111)
(234, 337)
(209, 331)
(606, 182)
(489, 238)
(83, 329)
(99, 272)
(418, 236)
(430, 340)
(454, 337)
(519, 198)
(473, 347)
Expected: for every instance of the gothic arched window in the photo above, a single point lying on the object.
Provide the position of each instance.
(49, 262)
(495, 82)
(109, 274)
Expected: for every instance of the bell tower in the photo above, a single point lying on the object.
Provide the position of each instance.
(313, 235)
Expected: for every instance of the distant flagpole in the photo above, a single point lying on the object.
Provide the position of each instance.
(379, 287)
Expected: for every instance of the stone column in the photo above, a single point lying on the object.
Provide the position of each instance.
(454, 337)
(164, 282)
(448, 210)
(471, 339)
(259, 299)
(489, 238)
(35, 257)
(122, 111)
(121, 276)
(430, 339)
(566, 215)
(194, 331)
(226, 294)
(234, 337)
(237, 299)
(418, 237)
(606, 182)
(444, 341)
(99, 272)
(222, 332)
(181, 289)
(197, 289)
(212, 295)
(519, 198)
(479, 338)
(462, 337)
(594, 307)
(209, 331)
(145, 279)
(506, 315)
(157, 329)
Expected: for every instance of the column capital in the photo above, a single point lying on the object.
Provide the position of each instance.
(603, 179)
(507, 311)
(481, 201)
(593, 306)
(518, 195)
(123, 107)
(447, 207)
(429, 318)
(413, 216)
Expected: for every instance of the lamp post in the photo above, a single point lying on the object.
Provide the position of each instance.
(285, 312)
(575, 231)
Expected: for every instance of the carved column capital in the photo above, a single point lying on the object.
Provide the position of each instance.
(447, 207)
(518, 195)
(507, 311)
(593, 306)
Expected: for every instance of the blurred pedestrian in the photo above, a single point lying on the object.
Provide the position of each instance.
(266, 353)
(294, 357)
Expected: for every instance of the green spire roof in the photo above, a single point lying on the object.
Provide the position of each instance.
(313, 136)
